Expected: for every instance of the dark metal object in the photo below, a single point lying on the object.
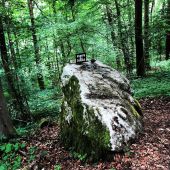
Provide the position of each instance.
(93, 60)
(80, 58)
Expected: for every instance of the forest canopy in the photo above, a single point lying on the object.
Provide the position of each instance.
(39, 37)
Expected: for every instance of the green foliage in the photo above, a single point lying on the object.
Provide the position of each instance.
(3, 167)
(81, 157)
(45, 103)
(26, 129)
(31, 153)
(9, 157)
(64, 28)
(156, 84)
(2, 137)
(161, 65)
(22, 131)
(57, 167)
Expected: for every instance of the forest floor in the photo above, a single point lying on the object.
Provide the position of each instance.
(150, 151)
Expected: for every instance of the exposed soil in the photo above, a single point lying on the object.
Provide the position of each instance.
(150, 152)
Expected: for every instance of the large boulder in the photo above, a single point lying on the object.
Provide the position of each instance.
(98, 112)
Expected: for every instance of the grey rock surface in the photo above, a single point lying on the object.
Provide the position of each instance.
(98, 108)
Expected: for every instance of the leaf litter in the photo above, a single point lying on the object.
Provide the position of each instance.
(151, 151)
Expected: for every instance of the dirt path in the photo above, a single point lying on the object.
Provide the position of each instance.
(150, 152)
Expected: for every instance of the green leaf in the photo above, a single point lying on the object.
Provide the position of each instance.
(3, 167)
(57, 167)
(16, 146)
(8, 148)
(23, 145)
(2, 147)
(17, 163)
(4, 158)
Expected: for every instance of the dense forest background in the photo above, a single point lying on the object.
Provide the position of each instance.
(38, 37)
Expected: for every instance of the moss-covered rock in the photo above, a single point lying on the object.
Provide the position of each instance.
(98, 113)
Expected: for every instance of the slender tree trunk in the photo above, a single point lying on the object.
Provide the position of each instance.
(17, 49)
(68, 47)
(36, 46)
(167, 45)
(140, 61)
(57, 76)
(48, 64)
(168, 32)
(6, 127)
(54, 6)
(160, 46)
(110, 22)
(11, 46)
(72, 6)
(132, 42)
(112, 33)
(146, 34)
(124, 47)
(152, 7)
(16, 77)
(18, 103)
(9, 26)
(82, 45)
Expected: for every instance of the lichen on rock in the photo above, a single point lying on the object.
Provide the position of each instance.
(98, 113)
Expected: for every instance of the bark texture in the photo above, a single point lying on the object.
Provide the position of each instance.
(146, 34)
(168, 32)
(36, 46)
(16, 95)
(140, 61)
(123, 41)
(6, 127)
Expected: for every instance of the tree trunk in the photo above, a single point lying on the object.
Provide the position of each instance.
(167, 45)
(152, 7)
(131, 38)
(110, 22)
(82, 45)
(11, 45)
(168, 32)
(6, 127)
(56, 77)
(146, 34)
(112, 33)
(140, 61)
(123, 43)
(17, 49)
(17, 97)
(36, 46)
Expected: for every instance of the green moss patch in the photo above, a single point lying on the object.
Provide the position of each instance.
(88, 136)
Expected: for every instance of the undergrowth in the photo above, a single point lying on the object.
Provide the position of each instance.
(154, 85)
(45, 103)
(11, 155)
(42, 104)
